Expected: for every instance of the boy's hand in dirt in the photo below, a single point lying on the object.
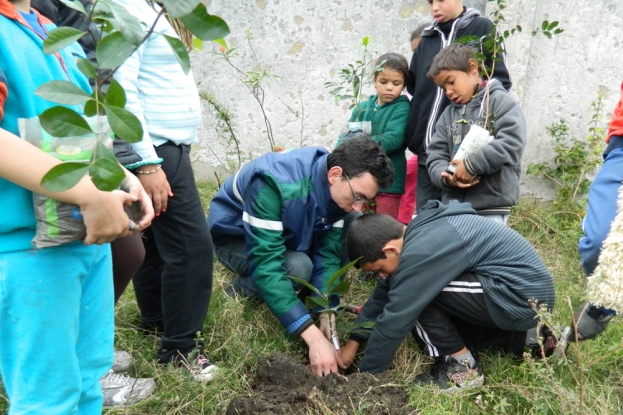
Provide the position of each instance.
(348, 352)
(323, 357)
(157, 187)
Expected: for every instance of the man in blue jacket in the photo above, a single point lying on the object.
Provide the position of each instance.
(282, 215)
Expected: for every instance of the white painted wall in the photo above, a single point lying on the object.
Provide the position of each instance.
(306, 43)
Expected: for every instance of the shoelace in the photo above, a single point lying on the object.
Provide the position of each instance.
(203, 362)
(119, 379)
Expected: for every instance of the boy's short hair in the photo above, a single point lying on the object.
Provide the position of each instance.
(360, 154)
(454, 57)
(393, 61)
(368, 234)
(418, 32)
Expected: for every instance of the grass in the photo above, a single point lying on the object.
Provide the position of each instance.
(237, 332)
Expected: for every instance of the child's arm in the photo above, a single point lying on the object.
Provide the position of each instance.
(392, 138)
(104, 217)
(439, 151)
(349, 352)
(509, 140)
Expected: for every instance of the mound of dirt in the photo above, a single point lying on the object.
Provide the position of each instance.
(287, 387)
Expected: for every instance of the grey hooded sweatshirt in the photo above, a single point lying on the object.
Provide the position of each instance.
(498, 164)
(441, 243)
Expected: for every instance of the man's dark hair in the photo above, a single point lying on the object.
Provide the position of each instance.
(418, 32)
(358, 154)
(454, 57)
(368, 234)
(393, 61)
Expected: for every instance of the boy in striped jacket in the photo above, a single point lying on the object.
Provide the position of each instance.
(455, 280)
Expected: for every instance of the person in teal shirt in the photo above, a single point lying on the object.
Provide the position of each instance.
(388, 113)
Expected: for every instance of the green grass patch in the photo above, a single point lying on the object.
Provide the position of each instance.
(237, 332)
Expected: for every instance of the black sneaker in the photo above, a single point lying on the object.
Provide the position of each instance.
(451, 376)
(549, 342)
(590, 321)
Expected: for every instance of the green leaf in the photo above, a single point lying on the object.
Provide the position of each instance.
(180, 52)
(64, 176)
(124, 124)
(113, 50)
(197, 44)
(62, 92)
(115, 95)
(552, 25)
(547, 35)
(204, 25)
(339, 273)
(221, 42)
(128, 25)
(90, 109)
(342, 288)
(87, 68)
(365, 41)
(64, 122)
(305, 283)
(76, 5)
(106, 174)
(180, 8)
(558, 31)
(313, 302)
(544, 25)
(60, 38)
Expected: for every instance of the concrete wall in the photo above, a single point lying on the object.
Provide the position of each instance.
(305, 44)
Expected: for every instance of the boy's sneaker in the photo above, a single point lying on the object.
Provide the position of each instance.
(120, 390)
(589, 321)
(451, 376)
(122, 362)
(201, 368)
(552, 342)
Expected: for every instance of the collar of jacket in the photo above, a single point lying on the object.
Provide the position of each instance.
(9, 10)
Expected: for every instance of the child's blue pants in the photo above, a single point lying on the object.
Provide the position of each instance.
(56, 328)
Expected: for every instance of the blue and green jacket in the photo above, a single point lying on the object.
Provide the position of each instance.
(276, 202)
(24, 68)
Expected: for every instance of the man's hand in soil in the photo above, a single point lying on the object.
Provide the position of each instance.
(348, 352)
(323, 358)
(157, 187)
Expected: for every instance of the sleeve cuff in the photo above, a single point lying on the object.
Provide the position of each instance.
(143, 163)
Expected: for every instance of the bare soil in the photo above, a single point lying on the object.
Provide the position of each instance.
(284, 386)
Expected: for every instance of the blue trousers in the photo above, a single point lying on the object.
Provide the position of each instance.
(56, 341)
(602, 207)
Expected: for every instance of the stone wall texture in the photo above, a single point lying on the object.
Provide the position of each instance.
(305, 44)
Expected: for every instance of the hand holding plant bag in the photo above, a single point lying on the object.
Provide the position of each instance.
(59, 222)
(475, 138)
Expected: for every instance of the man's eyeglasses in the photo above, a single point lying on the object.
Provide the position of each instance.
(359, 200)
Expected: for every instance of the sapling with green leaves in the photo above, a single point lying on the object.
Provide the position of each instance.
(321, 301)
(493, 46)
(122, 35)
(354, 76)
